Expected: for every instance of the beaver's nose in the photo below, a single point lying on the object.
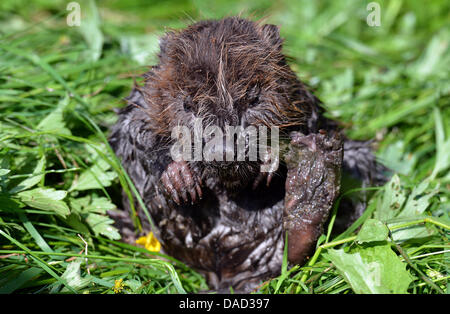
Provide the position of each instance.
(229, 153)
(217, 150)
(229, 118)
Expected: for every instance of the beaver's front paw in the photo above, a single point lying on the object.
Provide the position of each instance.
(178, 180)
(268, 168)
(312, 184)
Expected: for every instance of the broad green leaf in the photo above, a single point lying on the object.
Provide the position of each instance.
(93, 209)
(100, 205)
(75, 222)
(4, 172)
(418, 201)
(395, 203)
(96, 176)
(46, 199)
(372, 230)
(394, 276)
(373, 270)
(392, 200)
(54, 122)
(34, 179)
(73, 275)
(102, 225)
(78, 204)
(133, 284)
(93, 204)
(412, 232)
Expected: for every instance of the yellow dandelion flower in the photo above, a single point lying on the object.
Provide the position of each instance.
(118, 285)
(150, 242)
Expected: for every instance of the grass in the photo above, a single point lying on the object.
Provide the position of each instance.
(60, 84)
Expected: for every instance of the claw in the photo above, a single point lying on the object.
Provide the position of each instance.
(184, 195)
(189, 182)
(258, 179)
(266, 175)
(169, 188)
(199, 190)
(179, 180)
(269, 178)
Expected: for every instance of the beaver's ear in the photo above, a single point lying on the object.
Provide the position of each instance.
(271, 33)
(164, 43)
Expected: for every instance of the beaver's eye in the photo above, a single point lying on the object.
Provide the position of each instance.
(253, 102)
(253, 96)
(187, 107)
(187, 104)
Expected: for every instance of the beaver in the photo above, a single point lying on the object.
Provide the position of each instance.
(229, 219)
